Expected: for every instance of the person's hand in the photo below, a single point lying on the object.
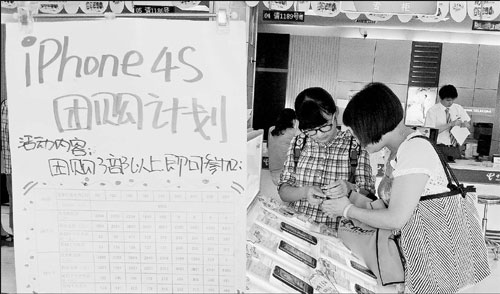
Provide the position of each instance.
(314, 195)
(337, 189)
(456, 122)
(463, 124)
(335, 207)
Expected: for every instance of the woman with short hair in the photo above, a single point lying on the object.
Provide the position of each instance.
(441, 238)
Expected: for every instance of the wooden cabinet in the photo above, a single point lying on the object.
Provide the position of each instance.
(392, 61)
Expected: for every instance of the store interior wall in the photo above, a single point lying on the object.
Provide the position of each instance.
(345, 65)
(313, 62)
(378, 51)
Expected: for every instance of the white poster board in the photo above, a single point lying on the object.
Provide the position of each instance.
(128, 142)
(419, 101)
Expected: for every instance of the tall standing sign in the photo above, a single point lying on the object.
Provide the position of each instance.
(128, 142)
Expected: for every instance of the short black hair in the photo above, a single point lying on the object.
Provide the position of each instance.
(448, 91)
(311, 104)
(373, 112)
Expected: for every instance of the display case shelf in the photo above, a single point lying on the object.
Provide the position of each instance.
(334, 271)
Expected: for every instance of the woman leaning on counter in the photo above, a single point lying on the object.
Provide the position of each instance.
(441, 238)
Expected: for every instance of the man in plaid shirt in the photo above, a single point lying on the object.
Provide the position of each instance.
(324, 157)
(6, 168)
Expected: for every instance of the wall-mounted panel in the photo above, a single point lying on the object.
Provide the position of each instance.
(400, 90)
(458, 65)
(356, 58)
(488, 67)
(425, 64)
(392, 61)
(485, 98)
(465, 96)
(345, 90)
(313, 63)
(478, 118)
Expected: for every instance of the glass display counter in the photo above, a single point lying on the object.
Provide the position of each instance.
(287, 253)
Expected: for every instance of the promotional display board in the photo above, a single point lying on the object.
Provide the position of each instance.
(128, 142)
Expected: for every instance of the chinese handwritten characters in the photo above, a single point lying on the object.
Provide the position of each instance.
(76, 112)
(123, 165)
(75, 146)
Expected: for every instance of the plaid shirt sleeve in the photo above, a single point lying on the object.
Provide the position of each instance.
(363, 174)
(288, 174)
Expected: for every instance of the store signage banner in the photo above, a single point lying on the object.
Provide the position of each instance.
(290, 16)
(393, 7)
(128, 142)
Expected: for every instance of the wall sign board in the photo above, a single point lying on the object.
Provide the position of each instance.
(289, 16)
(129, 158)
(486, 25)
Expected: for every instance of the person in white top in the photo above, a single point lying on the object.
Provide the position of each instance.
(441, 238)
(444, 116)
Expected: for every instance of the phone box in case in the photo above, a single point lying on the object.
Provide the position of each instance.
(274, 224)
(297, 254)
(298, 233)
(291, 280)
(344, 278)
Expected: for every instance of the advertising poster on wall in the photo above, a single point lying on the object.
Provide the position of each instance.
(419, 100)
(129, 156)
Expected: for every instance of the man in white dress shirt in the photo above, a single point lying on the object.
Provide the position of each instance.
(444, 116)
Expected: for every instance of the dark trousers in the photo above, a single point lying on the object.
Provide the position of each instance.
(450, 152)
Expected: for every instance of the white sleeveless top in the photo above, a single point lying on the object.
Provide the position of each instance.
(419, 157)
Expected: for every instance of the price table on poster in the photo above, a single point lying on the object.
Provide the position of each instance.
(152, 242)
